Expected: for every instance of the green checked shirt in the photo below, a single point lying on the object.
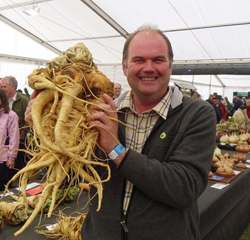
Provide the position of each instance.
(139, 128)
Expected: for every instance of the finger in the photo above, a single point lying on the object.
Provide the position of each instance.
(99, 118)
(34, 94)
(109, 101)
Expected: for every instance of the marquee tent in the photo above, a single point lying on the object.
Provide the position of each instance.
(210, 38)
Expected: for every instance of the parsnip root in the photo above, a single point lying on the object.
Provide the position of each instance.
(67, 87)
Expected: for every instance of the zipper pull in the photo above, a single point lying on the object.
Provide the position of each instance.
(124, 225)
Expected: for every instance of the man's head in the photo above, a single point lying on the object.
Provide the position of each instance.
(147, 63)
(117, 90)
(147, 28)
(9, 85)
(235, 98)
(248, 102)
(211, 97)
(217, 99)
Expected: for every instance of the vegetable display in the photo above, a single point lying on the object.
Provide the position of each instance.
(13, 212)
(65, 145)
(66, 228)
(66, 195)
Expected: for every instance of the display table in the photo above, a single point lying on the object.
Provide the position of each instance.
(225, 213)
(7, 233)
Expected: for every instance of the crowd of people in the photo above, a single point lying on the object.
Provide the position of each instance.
(239, 109)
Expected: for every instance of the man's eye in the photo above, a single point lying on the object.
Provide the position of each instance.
(158, 60)
(138, 61)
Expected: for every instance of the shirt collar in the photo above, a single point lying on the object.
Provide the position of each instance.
(161, 108)
(14, 98)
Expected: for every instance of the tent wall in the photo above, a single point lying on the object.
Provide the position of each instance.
(205, 85)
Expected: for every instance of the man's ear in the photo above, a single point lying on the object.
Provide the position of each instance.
(170, 68)
(124, 67)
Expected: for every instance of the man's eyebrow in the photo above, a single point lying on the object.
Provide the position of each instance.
(158, 56)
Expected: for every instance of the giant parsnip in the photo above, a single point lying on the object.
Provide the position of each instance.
(67, 87)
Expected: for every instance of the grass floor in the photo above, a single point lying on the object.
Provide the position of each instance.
(246, 234)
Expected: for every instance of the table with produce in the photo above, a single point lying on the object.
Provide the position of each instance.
(225, 205)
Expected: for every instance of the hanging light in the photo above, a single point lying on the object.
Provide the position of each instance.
(35, 10)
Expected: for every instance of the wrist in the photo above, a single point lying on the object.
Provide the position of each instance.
(116, 152)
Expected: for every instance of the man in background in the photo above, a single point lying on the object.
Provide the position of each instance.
(117, 90)
(237, 103)
(18, 103)
(220, 109)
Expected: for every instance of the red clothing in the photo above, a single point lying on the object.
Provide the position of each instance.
(248, 111)
(223, 111)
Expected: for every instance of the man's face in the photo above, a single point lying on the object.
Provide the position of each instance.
(217, 101)
(117, 89)
(147, 68)
(10, 90)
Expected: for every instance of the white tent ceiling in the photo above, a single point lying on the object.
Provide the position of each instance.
(202, 32)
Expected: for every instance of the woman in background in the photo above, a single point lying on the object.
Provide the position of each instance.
(9, 139)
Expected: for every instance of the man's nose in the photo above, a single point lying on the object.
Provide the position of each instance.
(148, 66)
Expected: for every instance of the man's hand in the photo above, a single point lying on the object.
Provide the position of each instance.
(107, 127)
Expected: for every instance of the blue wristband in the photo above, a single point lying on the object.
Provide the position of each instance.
(116, 152)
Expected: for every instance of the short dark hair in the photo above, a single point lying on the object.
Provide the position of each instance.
(243, 106)
(4, 101)
(141, 29)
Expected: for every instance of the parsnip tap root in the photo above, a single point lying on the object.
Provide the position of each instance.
(67, 87)
(67, 228)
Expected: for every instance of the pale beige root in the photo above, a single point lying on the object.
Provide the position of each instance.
(14, 213)
(61, 173)
(47, 191)
(66, 108)
(68, 228)
(1, 221)
(32, 200)
(65, 145)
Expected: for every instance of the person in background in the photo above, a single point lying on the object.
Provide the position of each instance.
(196, 96)
(117, 90)
(18, 103)
(211, 99)
(220, 109)
(237, 103)
(9, 139)
(248, 107)
(244, 100)
(227, 103)
(239, 117)
(160, 161)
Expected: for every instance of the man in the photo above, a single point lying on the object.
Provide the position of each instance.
(211, 99)
(117, 90)
(227, 103)
(18, 104)
(237, 103)
(248, 107)
(220, 109)
(160, 165)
